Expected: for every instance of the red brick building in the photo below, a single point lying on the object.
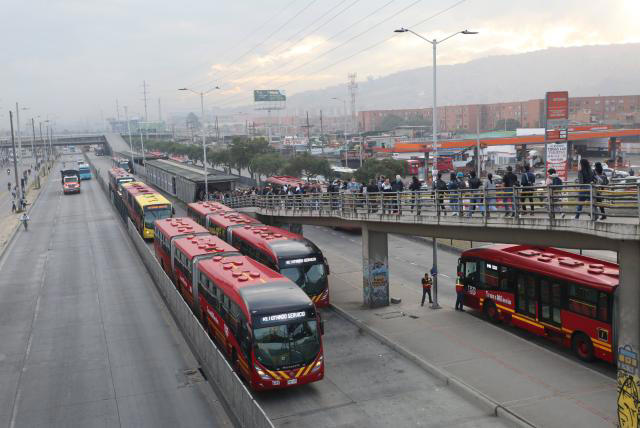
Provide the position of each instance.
(615, 110)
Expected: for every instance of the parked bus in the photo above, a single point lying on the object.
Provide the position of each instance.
(188, 252)
(291, 254)
(85, 171)
(144, 206)
(549, 292)
(264, 323)
(165, 234)
(200, 210)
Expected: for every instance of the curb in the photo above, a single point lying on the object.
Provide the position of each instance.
(491, 406)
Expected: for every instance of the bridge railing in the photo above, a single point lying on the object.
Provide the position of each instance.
(571, 200)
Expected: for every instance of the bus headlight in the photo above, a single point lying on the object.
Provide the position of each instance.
(261, 373)
(317, 365)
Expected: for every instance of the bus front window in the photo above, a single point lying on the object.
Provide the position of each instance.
(287, 344)
(153, 214)
(311, 278)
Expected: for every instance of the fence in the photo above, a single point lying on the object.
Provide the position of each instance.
(232, 390)
(616, 200)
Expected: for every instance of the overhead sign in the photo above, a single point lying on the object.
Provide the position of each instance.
(268, 95)
(557, 159)
(283, 317)
(556, 134)
(557, 104)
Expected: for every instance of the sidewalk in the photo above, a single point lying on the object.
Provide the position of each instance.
(537, 385)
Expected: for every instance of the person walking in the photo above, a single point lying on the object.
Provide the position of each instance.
(585, 177)
(452, 188)
(426, 288)
(527, 180)
(441, 188)
(415, 189)
(372, 196)
(601, 180)
(24, 218)
(13, 206)
(552, 182)
(387, 191)
(459, 295)
(462, 186)
(490, 190)
(398, 187)
(510, 181)
(474, 185)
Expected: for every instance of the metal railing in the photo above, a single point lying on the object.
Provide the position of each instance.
(585, 201)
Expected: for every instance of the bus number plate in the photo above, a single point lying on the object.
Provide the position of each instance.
(292, 381)
(471, 290)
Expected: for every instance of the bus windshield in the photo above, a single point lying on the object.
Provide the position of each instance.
(287, 345)
(311, 278)
(71, 179)
(152, 214)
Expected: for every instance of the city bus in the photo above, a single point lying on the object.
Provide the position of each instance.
(291, 254)
(200, 210)
(166, 232)
(118, 176)
(553, 293)
(221, 223)
(145, 206)
(122, 163)
(85, 171)
(188, 252)
(264, 323)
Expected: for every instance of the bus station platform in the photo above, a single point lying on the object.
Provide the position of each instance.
(532, 378)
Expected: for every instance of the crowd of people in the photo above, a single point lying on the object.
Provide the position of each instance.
(460, 195)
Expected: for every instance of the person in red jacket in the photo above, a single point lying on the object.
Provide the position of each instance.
(426, 288)
(459, 295)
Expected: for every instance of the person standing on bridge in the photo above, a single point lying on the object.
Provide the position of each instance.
(510, 181)
(426, 288)
(587, 178)
(601, 180)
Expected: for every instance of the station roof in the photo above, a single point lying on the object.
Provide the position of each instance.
(190, 173)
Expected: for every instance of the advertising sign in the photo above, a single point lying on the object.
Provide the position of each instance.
(557, 104)
(557, 159)
(268, 95)
(556, 134)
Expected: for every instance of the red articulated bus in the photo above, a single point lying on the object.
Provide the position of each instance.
(200, 210)
(549, 292)
(187, 253)
(165, 234)
(291, 254)
(264, 323)
(222, 223)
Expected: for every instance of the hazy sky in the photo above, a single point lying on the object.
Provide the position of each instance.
(70, 59)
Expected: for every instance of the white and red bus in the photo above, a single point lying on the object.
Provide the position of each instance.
(549, 292)
(266, 325)
(200, 210)
(187, 253)
(291, 254)
(166, 232)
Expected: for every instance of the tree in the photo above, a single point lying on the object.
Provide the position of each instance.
(390, 122)
(373, 168)
(220, 157)
(267, 164)
(307, 165)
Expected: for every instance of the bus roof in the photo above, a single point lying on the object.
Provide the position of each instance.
(231, 218)
(172, 227)
(117, 172)
(203, 208)
(148, 199)
(253, 285)
(138, 188)
(194, 246)
(282, 180)
(549, 261)
(278, 242)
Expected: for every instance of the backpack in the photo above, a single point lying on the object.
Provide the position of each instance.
(556, 181)
(441, 185)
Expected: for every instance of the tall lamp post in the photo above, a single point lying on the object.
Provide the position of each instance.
(204, 143)
(434, 128)
(346, 151)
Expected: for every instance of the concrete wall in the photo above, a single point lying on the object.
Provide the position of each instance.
(375, 268)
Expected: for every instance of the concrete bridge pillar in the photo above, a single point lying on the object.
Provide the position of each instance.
(627, 323)
(375, 268)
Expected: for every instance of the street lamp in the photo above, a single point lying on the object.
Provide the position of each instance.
(204, 144)
(346, 151)
(434, 129)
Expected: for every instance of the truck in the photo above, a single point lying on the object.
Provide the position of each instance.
(70, 179)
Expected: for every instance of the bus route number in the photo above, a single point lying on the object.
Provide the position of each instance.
(471, 290)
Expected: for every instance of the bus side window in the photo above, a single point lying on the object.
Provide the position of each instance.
(471, 276)
(507, 278)
(224, 307)
(603, 307)
(243, 338)
(488, 275)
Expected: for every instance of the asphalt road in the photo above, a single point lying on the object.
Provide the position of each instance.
(85, 340)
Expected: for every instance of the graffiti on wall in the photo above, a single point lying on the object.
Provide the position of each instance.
(376, 284)
(628, 387)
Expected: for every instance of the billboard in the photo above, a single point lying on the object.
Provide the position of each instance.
(557, 159)
(557, 104)
(268, 95)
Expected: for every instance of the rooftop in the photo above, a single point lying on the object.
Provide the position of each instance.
(190, 173)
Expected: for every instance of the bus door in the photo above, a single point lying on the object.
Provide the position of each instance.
(527, 295)
(471, 281)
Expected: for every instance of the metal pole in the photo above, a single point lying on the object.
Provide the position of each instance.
(346, 146)
(434, 129)
(126, 115)
(33, 140)
(15, 161)
(19, 134)
(204, 150)
(142, 146)
(44, 145)
(478, 168)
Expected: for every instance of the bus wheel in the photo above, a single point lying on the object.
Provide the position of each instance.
(491, 312)
(582, 346)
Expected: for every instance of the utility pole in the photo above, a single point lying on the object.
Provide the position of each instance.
(478, 168)
(321, 134)
(33, 149)
(144, 94)
(117, 110)
(19, 132)
(308, 137)
(15, 160)
(142, 147)
(217, 132)
(126, 115)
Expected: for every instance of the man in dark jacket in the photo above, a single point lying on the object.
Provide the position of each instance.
(372, 196)
(415, 188)
(510, 180)
(397, 186)
(527, 180)
(474, 185)
(452, 188)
